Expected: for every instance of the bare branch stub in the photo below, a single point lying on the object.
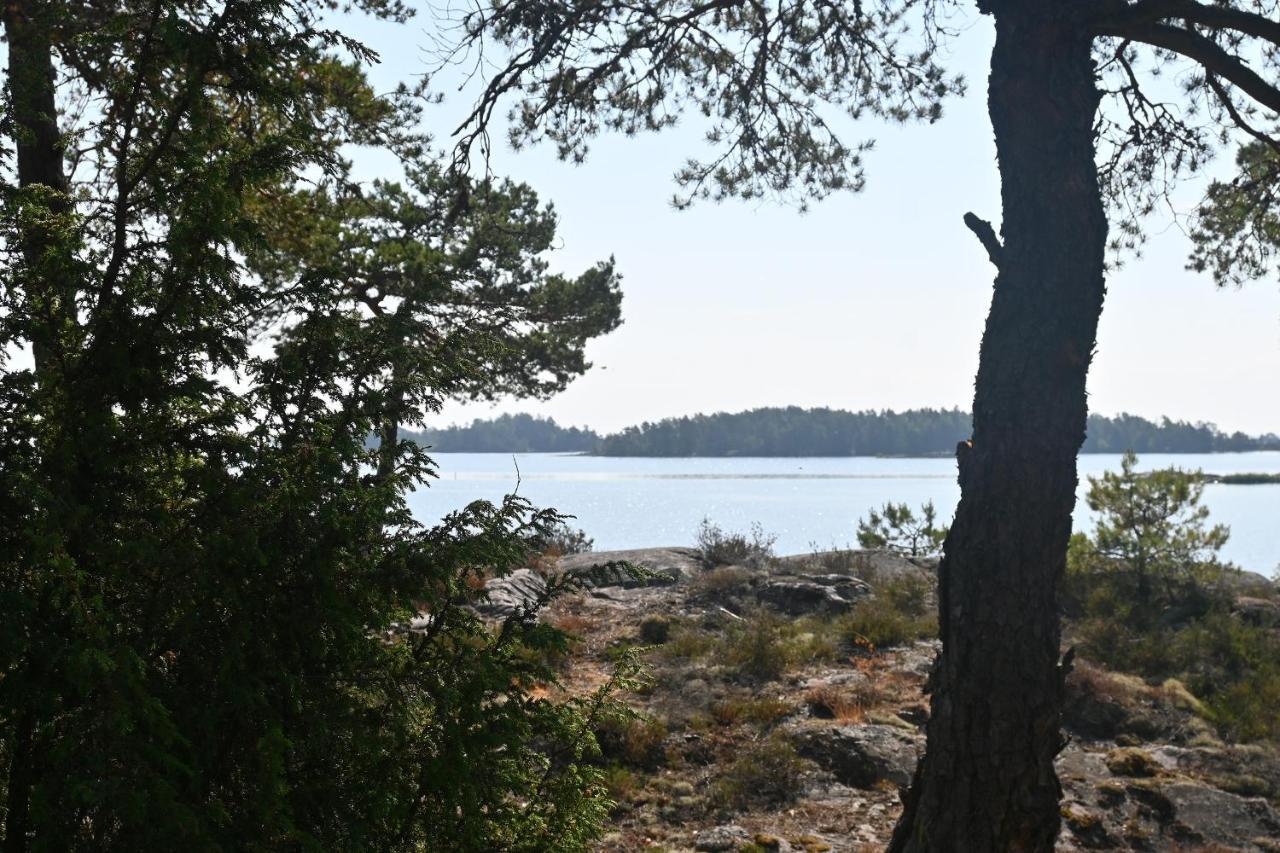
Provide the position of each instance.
(986, 235)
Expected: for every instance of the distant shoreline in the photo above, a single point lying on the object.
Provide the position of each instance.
(595, 455)
(796, 433)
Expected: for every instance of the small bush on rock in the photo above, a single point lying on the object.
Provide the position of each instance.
(563, 540)
(655, 630)
(719, 548)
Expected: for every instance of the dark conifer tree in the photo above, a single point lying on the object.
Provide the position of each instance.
(203, 316)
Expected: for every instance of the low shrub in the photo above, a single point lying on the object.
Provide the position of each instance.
(844, 703)
(686, 639)
(876, 624)
(634, 741)
(761, 711)
(562, 540)
(1245, 785)
(838, 561)
(908, 594)
(760, 646)
(768, 773)
(807, 643)
(655, 630)
(1223, 668)
(1128, 761)
(717, 547)
(1246, 710)
(722, 582)
(757, 648)
(621, 782)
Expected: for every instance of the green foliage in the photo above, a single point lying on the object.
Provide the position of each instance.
(723, 583)
(634, 740)
(1151, 556)
(205, 569)
(718, 548)
(655, 630)
(563, 540)
(1237, 229)
(1150, 597)
(896, 528)
(874, 625)
(759, 647)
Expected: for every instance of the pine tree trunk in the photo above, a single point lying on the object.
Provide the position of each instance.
(39, 145)
(987, 783)
(50, 293)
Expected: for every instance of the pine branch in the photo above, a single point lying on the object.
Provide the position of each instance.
(1216, 17)
(1214, 59)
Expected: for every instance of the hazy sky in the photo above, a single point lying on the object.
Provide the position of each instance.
(869, 300)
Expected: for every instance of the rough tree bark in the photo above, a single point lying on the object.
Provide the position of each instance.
(988, 781)
(40, 163)
(31, 81)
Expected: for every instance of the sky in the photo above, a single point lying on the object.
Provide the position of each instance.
(866, 301)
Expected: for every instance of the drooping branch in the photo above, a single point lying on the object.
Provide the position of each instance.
(1224, 98)
(1205, 51)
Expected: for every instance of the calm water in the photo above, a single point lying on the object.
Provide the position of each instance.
(639, 502)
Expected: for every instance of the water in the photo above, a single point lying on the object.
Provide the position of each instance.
(806, 503)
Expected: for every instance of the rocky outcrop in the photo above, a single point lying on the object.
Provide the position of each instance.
(1207, 815)
(1260, 612)
(798, 595)
(1144, 771)
(511, 594)
(861, 756)
(663, 565)
(520, 590)
(1165, 798)
(730, 836)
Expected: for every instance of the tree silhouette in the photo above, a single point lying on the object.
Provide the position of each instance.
(1080, 122)
(221, 628)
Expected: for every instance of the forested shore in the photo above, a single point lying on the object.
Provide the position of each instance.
(794, 431)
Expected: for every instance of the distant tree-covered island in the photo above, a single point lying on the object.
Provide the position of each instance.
(795, 431)
(508, 434)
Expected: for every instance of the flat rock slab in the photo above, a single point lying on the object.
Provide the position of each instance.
(797, 595)
(668, 565)
(1222, 818)
(728, 837)
(511, 594)
(861, 756)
